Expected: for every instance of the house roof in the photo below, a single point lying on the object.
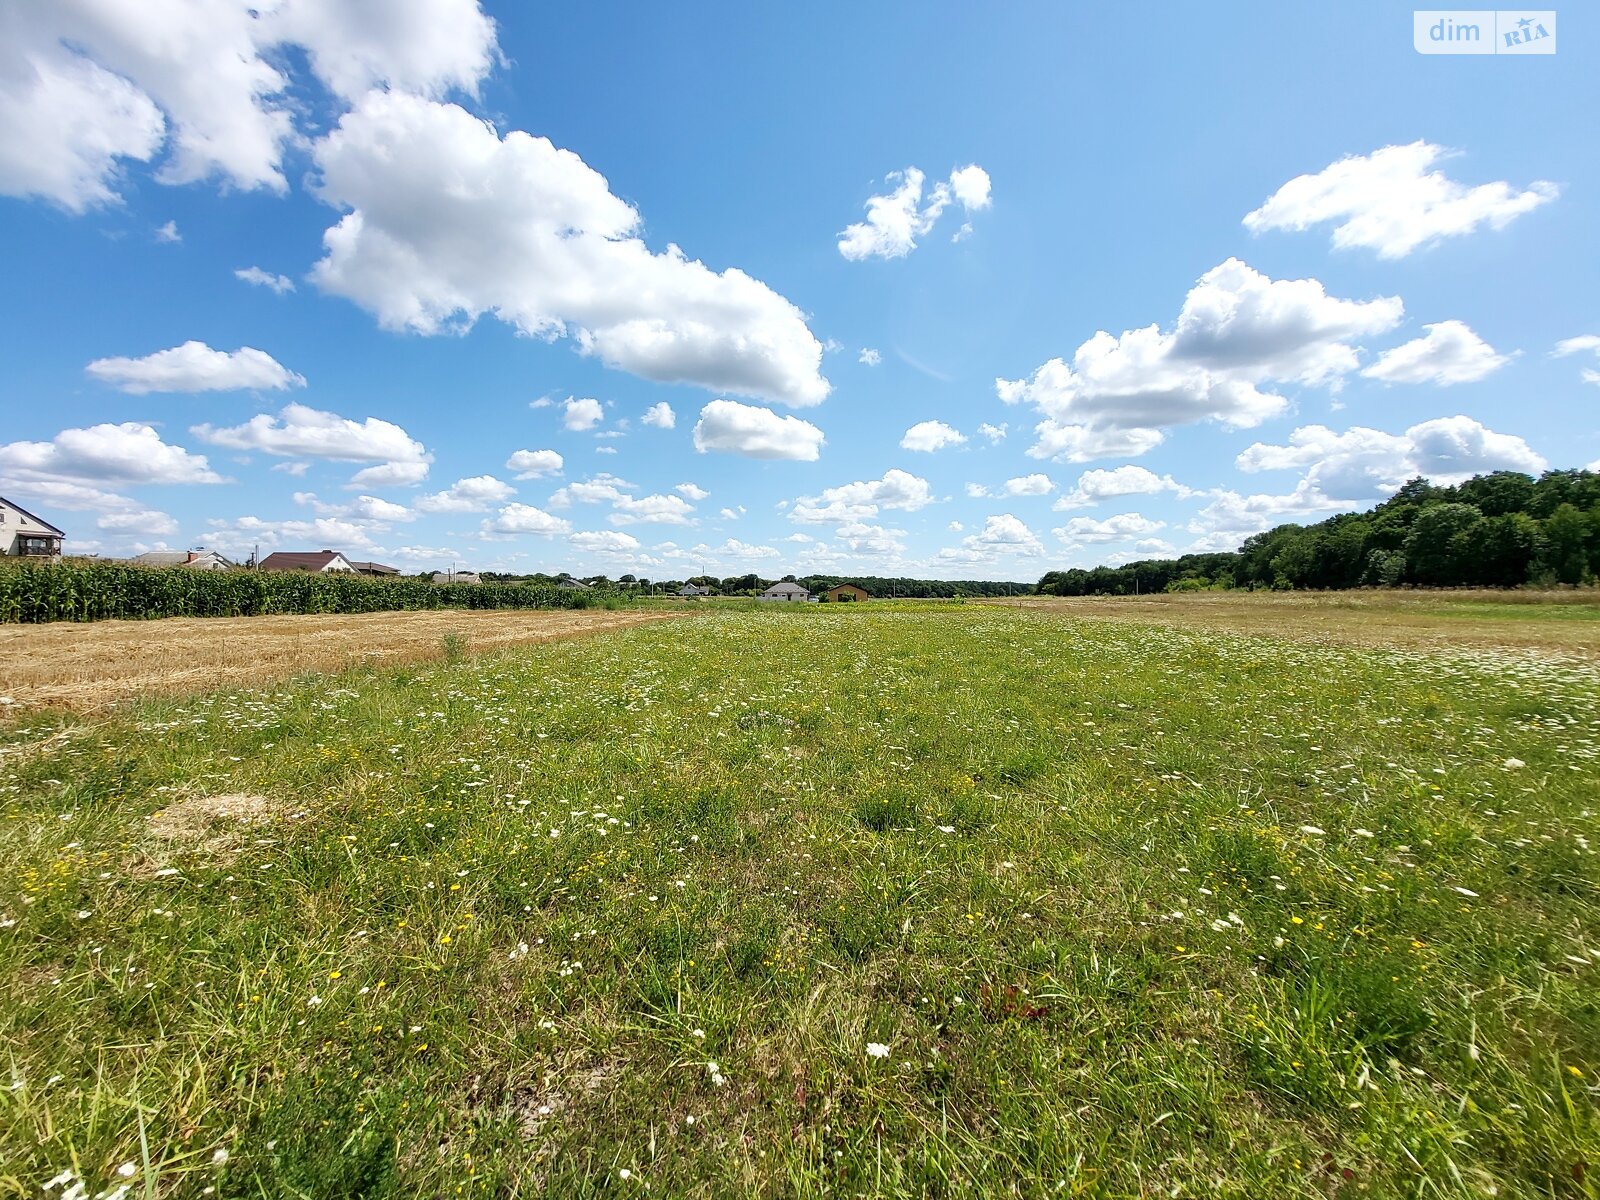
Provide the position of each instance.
(572, 583)
(786, 589)
(175, 558)
(373, 568)
(33, 516)
(300, 560)
(846, 587)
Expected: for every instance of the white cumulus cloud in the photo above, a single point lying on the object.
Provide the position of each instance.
(477, 494)
(660, 415)
(1086, 531)
(129, 453)
(65, 121)
(1101, 484)
(535, 464)
(733, 428)
(608, 543)
(1393, 201)
(1030, 485)
(446, 220)
(1355, 469)
(658, 508)
(863, 499)
(299, 431)
(929, 436)
(626, 509)
(524, 518)
(1238, 333)
(1002, 536)
(1449, 353)
(1362, 465)
(87, 86)
(149, 523)
(898, 218)
(736, 552)
(195, 367)
(970, 185)
(581, 414)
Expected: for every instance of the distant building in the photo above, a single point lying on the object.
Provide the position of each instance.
(199, 560)
(324, 562)
(845, 593)
(23, 535)
(568, 584)
(457, 577)
(694, 589)
(786, 591)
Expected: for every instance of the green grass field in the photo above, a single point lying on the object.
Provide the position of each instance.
(876, 901)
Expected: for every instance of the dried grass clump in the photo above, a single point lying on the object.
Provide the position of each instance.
(215, 827)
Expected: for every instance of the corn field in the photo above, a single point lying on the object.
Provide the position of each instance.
(66, 590)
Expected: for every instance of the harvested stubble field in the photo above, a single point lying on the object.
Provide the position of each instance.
(85, 667)
(1558, 622)
(816, 902)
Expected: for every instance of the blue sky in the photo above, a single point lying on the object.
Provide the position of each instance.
(1322, 263)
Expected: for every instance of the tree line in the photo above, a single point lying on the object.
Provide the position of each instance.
(1504, 529)
(883, 587)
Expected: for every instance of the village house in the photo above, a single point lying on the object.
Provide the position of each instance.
(694, 589)
(568, 584)
(23, 535)
(323, 562)
(457, 577)
(845, 593)
(197, 560)
(785, 591)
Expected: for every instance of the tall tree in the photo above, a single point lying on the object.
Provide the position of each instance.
(1566, 544)
(1438, 548)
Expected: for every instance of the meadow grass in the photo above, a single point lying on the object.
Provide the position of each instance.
(870, 900)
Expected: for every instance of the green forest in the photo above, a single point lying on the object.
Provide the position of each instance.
(1501, 530)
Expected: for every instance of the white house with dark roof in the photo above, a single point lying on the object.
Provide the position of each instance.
(23, 535)
(786, 591)
(321, 562)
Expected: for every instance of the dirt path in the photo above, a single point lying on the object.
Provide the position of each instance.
(87, 667)
(1411, 620)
